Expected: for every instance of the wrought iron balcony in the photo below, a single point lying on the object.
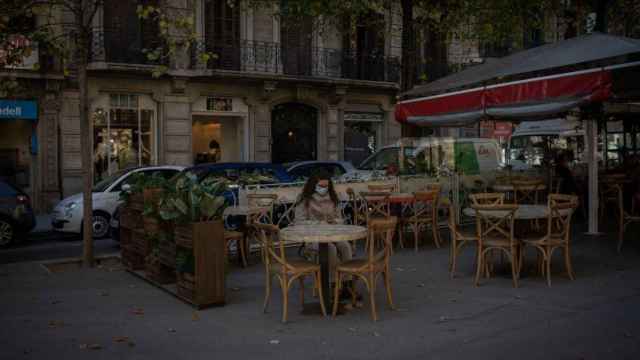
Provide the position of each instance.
(115, 47)
(273, 58)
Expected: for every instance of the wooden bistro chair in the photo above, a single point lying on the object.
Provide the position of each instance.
(487, 199)
(377, 207)
(266, 201)
(558, 234)
(459, 238)
(527, 191)
(495, 227)
(368, 269)
(285, 270)
(425, 213)
(625, 218)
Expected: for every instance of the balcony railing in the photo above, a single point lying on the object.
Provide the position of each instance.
(273, 58)
(114, 47)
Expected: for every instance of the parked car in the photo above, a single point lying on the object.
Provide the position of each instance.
(67, 215)
(339, 170)
(16, 214)
(242, 174)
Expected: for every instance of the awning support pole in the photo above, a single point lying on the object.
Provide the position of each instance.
(591, 142)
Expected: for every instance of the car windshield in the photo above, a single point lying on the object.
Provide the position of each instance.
(103, 184)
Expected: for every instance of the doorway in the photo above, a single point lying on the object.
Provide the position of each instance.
(294, 131)
(216, 139)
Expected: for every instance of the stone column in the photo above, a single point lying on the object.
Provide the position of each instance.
(48, 153)
(70, 138)
(262, 134)
(333, 140)
(392, 128)
(176, 132)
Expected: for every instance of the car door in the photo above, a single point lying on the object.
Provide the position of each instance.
(301, 173)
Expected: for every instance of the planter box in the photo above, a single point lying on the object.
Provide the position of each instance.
(136, 202)
(186, 286)
(131, 259)
(206, 240)
(130, 219)
(151, 225)
(140, 243)
(158, 272)
(151, 197)
(167, 253)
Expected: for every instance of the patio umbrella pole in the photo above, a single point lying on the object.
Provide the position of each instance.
(591, 140)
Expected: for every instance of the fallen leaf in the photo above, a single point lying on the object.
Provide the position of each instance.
(195, 317)
(352, 329)
(420, 285)
(82, 346)
(399, 269)
(26, 351)
(95, 346)
(53, 302)
(274, 342)
(120, 339)
(104, 293)
(376, 334)
(131, 344)
(235, 289)
(137, 311)
(55, 324)
(171, 330)
(442, 319)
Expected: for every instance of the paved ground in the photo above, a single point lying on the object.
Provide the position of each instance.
(65, 315)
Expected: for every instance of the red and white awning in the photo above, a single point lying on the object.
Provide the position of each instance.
(539, 97)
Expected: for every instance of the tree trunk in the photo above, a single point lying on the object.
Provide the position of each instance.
(86, 140)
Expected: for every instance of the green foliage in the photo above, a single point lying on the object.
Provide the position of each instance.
(189, 199)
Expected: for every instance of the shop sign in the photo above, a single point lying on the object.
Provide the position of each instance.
(18, 109)
(356, 116)
(503, 129)
(219, 104)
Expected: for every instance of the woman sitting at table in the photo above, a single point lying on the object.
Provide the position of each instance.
(319, 203)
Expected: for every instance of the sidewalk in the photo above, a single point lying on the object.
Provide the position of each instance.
(64, 315)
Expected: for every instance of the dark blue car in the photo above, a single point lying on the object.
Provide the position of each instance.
(16, 214)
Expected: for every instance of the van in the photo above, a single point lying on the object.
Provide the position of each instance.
(433, 156)
(533, 142)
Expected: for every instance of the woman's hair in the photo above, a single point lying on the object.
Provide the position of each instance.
(310, 188)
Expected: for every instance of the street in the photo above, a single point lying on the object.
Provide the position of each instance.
(51, 245)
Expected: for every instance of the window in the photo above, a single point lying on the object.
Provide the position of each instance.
(124, 134)
(360, 138)
(385, 157)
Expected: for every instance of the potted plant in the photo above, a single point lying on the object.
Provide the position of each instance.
(196, 207)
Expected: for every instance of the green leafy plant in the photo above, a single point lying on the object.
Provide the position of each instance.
(185, 262)
(194, 200)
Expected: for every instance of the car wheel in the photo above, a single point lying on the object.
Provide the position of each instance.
(100, 225)
(6, 232)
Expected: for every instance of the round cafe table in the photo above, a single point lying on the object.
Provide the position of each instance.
(323, 234)
(524, 212)
(510, 188)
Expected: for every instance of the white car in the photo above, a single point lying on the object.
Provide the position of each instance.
(301, 171)
(67, 215)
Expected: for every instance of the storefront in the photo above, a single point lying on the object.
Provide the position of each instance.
(19, 142)
(124, 132)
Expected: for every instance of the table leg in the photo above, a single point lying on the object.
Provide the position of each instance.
(323, 253)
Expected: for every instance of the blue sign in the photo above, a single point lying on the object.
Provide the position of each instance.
(18, 109)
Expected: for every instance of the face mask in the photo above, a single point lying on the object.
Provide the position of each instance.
(321, 190)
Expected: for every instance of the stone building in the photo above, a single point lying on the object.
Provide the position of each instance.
(274, 93)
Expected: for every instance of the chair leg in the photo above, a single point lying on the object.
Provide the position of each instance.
(480, 265)
(267, 294)
(318, 284)
(567, 262)
(284, 284)
(400, 235)
(416, 235)
(241, 244)
(387, 285)
(548, 268)
(452, 258)
(372, 296)
(514, 265)
(336, 293)
(434, 233)
(301, 281)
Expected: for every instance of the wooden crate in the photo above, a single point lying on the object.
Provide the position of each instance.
(136, 202)
(130, 219)
(131, 259)
(206, 239)
(186, 286)
(140, 242)
(151, 225)
(167, 253)
(151, 197)
(158, 272)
